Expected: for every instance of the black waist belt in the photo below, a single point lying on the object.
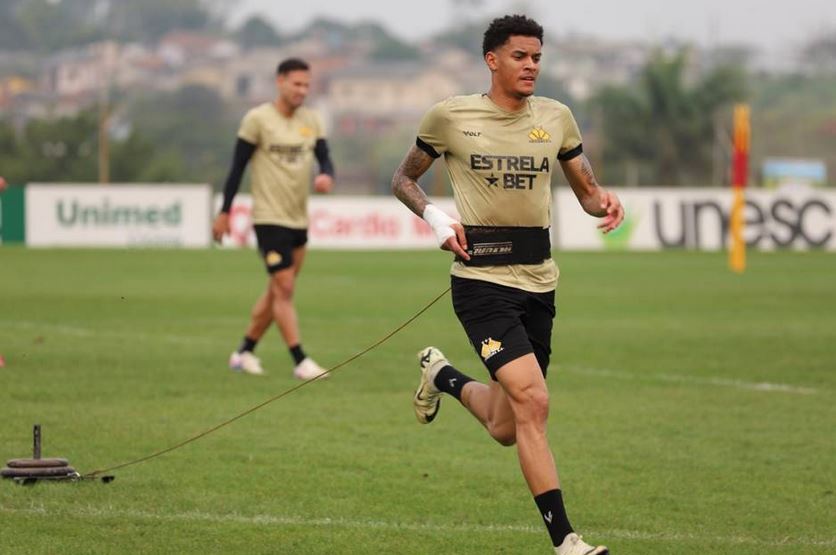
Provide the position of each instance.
(499, 246)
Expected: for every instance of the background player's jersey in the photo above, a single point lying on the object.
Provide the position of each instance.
(282, 163)
(500, 164)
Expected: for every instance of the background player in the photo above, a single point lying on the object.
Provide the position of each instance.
(281, 139)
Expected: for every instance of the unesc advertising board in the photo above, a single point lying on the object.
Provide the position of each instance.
(797, 218)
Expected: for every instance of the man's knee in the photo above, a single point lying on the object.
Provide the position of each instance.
(504, 434)
(282, 284)
(531, 405)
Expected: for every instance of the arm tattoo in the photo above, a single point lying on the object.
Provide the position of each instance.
(586, 171)
(579, 173)
(405, 181)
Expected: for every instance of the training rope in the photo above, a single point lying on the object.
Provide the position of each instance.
(95, 473)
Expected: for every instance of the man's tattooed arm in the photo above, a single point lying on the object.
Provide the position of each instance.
(405, 181)
(578, 172)
(595, 200)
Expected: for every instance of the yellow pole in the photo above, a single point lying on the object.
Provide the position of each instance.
(737, 253)
(740, 176)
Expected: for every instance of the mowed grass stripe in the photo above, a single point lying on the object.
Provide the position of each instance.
(764, 387)
(326, 522)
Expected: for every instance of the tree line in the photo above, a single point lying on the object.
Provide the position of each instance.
(668, 128)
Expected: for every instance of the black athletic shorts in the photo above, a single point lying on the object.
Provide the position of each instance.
(504, 323)
(276, 244)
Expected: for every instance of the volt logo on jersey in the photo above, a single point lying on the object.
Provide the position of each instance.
(490, 347)
(539, 135)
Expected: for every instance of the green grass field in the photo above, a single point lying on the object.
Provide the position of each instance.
(692, 409)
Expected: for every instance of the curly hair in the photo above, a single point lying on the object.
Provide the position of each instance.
(502, 28)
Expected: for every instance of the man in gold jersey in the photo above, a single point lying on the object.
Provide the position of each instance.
(280, 139)
(500, 149)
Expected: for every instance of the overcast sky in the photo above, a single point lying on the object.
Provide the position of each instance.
(768, 24)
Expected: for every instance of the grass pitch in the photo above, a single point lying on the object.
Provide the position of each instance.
(692, 409)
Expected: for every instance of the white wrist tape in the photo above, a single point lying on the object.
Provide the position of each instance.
(440, 223)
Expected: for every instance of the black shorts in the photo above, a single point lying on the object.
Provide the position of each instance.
(504, 323)
(276, 244)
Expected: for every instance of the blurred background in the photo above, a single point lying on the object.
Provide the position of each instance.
(153, 91)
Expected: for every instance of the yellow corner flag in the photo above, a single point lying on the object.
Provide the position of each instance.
(740, 176)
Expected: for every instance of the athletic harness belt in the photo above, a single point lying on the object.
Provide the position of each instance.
(501, 246)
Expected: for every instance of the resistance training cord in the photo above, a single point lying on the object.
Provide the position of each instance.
(96, 473)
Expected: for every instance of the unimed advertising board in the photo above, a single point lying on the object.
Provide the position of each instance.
(118, 215)
(698, 219)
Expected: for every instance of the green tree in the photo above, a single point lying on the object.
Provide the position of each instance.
(66, 150)
(11, 165)
(467, 36)
(665, 126)
(391, 49)
(794, 116)
(387, 47)
(62, 149)
(48, 26)
(820, 53)
(382, 45)
(552, 87)
(257, 31)
(137, 159)
(151, 19)
(12, 36)
(192, 124)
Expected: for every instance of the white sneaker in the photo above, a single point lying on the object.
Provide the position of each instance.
(308, 370)
(427, 398)
(573, 544)
(245, 362)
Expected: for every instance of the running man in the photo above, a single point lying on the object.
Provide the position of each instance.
(500, 149)
(281, 138)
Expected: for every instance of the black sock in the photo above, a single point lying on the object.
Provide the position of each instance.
(449, 380)
(297, 353)
(248, 344)
(554, 515)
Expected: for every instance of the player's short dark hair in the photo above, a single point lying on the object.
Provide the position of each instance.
(502, 28)
(292, 64)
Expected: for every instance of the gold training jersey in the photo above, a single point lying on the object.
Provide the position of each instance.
(282, 163)
(500, 164)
